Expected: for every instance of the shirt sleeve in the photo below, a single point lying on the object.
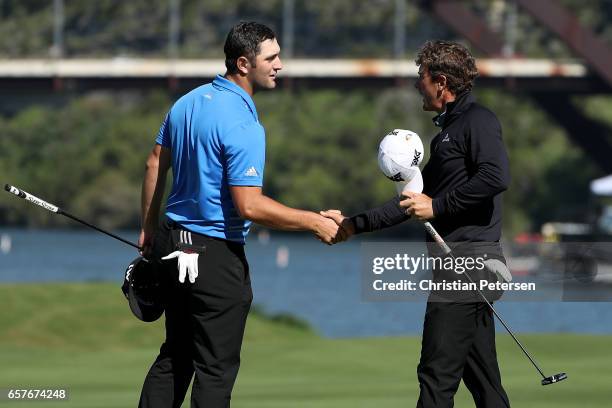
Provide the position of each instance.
(245, 155)
(488, 156)
(163, 137)
(384, 216)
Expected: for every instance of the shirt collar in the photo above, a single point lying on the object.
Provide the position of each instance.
(222, 82)
(455, 108)
(438, 120)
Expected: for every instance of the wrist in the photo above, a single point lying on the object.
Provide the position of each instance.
(348, 225)
(438, 207)
(148, 228)
(312, 222)
(360, 223)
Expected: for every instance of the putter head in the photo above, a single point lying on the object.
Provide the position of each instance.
(554, 378)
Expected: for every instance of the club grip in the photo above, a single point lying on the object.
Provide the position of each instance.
(29, 197)
(14, 190)
(436, 237)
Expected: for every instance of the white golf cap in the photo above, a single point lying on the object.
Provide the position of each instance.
(399, 155)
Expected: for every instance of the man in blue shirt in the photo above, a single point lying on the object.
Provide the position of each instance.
(215, 145)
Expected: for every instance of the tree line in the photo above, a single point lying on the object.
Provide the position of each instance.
(88, 155)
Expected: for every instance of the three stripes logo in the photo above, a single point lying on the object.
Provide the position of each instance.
(185, 237)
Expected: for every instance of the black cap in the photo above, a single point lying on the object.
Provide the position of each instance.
(144, 289)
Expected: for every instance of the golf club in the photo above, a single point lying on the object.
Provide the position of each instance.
(399, 155)
(54, 209)
(448, 251)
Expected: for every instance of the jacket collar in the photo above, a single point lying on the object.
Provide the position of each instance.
(453, 109)
(222, 82)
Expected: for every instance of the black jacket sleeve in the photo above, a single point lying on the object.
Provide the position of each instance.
(384, 216)
(489, 159)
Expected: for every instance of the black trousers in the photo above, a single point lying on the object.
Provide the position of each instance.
(205, 324)
(459, 343)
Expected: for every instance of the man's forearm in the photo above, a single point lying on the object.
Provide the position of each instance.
(475, 192)
(265, 211)
(384, 216)
(252, 205)
(151, 197)
(152, 193)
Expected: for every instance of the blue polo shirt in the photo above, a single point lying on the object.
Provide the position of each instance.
(216, 142)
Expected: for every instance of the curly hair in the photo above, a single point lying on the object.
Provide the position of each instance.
(452, 60)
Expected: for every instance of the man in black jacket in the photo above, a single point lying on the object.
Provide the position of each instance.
(463, 180)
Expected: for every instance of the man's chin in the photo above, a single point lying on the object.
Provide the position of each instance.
(267, 86)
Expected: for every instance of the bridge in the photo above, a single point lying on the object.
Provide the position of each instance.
(120, 73)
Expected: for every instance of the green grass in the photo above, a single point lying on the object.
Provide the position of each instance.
(82, 336)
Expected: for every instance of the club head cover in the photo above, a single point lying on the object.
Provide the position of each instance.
(144, 289)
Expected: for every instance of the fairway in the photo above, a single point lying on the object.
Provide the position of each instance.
(82, 337)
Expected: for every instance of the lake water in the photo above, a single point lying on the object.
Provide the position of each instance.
(291, 273)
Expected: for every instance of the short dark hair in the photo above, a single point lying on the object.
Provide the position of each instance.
(452, 60)
(244, 39)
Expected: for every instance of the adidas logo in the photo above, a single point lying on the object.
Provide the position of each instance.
(251, 172)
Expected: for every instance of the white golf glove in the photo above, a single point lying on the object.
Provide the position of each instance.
(187, 264)
(499, 268)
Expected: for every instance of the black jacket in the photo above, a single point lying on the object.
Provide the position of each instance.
(466, 173)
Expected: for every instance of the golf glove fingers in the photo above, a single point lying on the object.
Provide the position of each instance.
(499, 269)
(187, 264)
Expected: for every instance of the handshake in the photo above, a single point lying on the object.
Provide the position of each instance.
(331, 227)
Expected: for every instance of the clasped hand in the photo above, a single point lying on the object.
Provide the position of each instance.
(342, 226)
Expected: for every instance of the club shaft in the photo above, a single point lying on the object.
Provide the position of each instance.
(516, 340)
(55, 209)
(110, 234)
(448, 251)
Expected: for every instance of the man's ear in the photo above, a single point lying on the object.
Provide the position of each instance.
(243, 65)
(441, 81)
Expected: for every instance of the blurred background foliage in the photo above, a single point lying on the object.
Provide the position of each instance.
(341, 28)
(86, 152)
(88, 155)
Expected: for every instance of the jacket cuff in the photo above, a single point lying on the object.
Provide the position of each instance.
(361, 223)
(438, 205)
